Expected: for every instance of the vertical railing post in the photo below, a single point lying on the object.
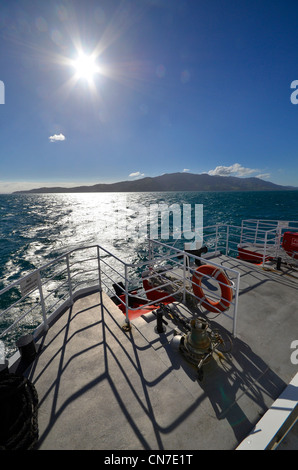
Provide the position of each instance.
(256, 233)
(236, 305)
(241, 232)
(99, 281)
(127, 321)
(216, 237)
(42, 303)
(99, 269)
(184, 277)
(227, 240)
(278, 240)
(149, 249)
(69, 279)
(265, 247)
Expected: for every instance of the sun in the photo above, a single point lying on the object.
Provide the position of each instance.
(85, 67)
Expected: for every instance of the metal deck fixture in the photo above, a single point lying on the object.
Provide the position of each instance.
(199, 344)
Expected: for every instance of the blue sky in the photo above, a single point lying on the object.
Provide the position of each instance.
(180, 85)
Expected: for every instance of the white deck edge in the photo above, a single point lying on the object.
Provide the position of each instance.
(276, 422)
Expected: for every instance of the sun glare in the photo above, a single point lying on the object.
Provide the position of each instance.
(85, 67)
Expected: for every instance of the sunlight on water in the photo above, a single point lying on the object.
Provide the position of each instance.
(35, 228)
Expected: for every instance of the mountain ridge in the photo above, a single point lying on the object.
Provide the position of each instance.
(172, 182)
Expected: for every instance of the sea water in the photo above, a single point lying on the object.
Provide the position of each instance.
(36, 228)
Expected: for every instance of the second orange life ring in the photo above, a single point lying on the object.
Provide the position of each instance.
(224, 283)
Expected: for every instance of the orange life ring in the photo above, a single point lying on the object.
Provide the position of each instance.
(224, 283)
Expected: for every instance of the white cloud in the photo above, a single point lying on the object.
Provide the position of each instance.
(263, 175)
(236, 169)
(57, 138)
(136, 174)
(186, 170)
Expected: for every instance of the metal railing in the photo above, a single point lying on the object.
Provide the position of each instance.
(268, 235)
(262, 239)
(186, 273)
(32, 301)
(28, 303)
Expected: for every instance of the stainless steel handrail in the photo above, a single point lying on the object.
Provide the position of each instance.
(106, 274)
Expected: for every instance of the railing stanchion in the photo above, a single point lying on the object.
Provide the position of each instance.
(99, 269)
(69, 279)
(42, 303)
(216, 237)
(227, 240)
(265, 248)
(236, 305)
(256, 233)
(127, 321)
(184, 277)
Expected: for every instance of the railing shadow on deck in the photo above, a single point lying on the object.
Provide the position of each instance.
(114, 346)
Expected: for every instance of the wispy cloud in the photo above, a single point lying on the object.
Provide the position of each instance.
(186, 170)
(136, 174)
(263, 176)
(57, 138)
(236, 170)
